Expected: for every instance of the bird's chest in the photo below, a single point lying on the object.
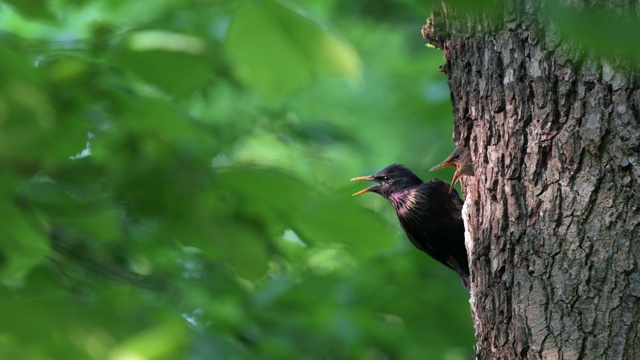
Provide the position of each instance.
(404, 202)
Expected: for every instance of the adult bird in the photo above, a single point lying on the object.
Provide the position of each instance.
(461, 159)
(429, 213)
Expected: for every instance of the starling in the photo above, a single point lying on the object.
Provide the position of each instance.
(430, 214)
(461, 159)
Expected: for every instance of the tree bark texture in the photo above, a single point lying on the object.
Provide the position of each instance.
(553, 212)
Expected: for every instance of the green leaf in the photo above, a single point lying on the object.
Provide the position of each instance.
(610, 35)
(165, 340)
(287, 51)
(29, 120)
(283, 200)
(175, 62)
(24, 246)
(33, 8)
(90, 214)
(242, 248)
(362, 231)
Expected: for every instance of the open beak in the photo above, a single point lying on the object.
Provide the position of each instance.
(446, 163)
(456, 177)
(364, 178)
(462, 164)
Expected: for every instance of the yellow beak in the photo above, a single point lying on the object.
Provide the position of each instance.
(363, 178)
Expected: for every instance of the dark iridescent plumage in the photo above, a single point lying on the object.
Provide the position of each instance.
(429, 214)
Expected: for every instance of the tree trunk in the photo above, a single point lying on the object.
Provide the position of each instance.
(553, 211)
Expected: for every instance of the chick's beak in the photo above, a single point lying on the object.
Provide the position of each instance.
(456, 177)
(364, 178)
(444, 164)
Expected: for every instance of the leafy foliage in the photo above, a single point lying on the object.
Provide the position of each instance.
(175, 182)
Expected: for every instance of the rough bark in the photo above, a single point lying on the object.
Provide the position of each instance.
(553, 211)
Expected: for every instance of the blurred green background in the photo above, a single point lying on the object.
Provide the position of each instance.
(175, 181)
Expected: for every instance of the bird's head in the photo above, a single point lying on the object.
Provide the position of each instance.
(392, 179)
(460, 158)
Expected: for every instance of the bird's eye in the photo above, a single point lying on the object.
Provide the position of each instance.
(385, 178)
(456, 156)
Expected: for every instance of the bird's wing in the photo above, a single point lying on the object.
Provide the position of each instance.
(454, 205)
(434, 225)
